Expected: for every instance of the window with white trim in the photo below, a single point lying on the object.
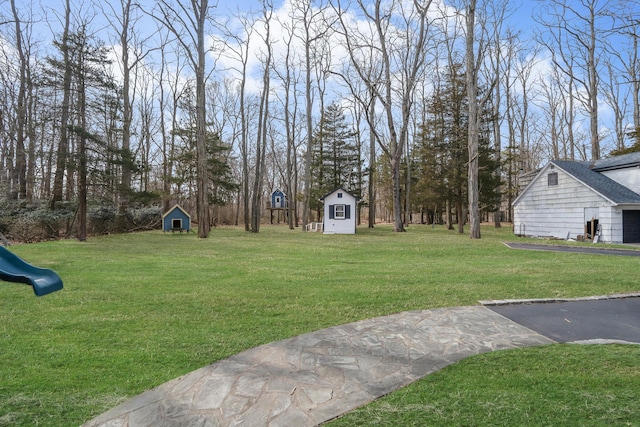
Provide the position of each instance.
(552, 179)
(339, 212)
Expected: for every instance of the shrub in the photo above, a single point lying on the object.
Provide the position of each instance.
(102, 220)
(32, 222)
(107, 219)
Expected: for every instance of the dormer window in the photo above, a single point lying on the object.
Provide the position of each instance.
(552, 179)
(339, 195)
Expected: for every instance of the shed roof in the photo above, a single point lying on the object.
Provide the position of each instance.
(173, 209)
(605, 186)
(339, 189)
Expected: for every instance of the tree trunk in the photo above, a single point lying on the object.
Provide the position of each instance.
(61, 159)
(635, 93)
(306, 203)
(497, 134)
(372, 162)
(127, 159)
(244, 146)
(407, 182)
(593, 88)
(261, 140)
(82, 153)
(398, 224)
(204, 223)
(21, 154)
(166, 171)
(460, 216)
(472, 95)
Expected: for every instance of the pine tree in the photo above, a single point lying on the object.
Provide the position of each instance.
(441, 153)
(82, 151)
(220, 182)
(335, 161)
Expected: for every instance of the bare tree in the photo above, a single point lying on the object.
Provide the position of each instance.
(81, 93)
(551, 105)
(21, 110)
(263, 121)
(187, 22)
(148, 127)
(497, 124)
(63, 144)
(132, 53)
(476, 53)
(499, 10)
(557, 100)
(614, 96)
(399, 35)
(522, 109)
(371, 190)
(237, 48)
(168, 94)
(627, 72)
(364, 105)
(576, 34)
(472, 95)
(290, 77)
(314, 28)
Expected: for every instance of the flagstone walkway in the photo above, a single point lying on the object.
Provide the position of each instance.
(318, 376)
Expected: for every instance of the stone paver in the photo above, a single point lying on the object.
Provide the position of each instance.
(315, 377)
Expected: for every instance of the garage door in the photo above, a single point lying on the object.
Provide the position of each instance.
(631, 226)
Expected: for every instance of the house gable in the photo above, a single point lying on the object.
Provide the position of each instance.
(566, 198)
(605, 187)
(555, 186)
(556, 207)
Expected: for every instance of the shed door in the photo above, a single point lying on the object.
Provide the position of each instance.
(631, 226)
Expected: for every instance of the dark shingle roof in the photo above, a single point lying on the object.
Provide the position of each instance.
(615, 162)
(607, 187)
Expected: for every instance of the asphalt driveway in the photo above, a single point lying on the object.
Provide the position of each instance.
(615, 319)
(595, 250)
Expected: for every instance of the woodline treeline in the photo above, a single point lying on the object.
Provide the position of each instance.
(427, 110)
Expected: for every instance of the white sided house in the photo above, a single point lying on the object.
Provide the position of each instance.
(339, 212)
(597, 200)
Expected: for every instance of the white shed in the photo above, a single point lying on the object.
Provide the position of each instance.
(339, 212)
(571, 199)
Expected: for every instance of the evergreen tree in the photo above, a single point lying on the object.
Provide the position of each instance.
(220, 184)
(83, 152)
(441, 153)
(335, 161)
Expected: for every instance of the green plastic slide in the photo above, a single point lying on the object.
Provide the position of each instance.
(15, 269)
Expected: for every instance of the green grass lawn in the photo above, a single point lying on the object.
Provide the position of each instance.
(138, 310)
